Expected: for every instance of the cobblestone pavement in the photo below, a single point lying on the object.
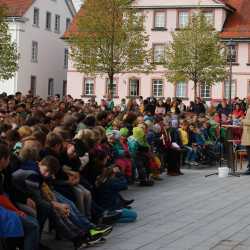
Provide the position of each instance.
(182, 213)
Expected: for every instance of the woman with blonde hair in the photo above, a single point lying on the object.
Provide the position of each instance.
(88, 136)
(24, 131)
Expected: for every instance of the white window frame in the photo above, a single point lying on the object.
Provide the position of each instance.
(159, 53)
(50, 87)
(36, 17)
(233, 90)
(89, 87)
(205, 91)
(57, 23)
(66, 57)
(182, 15)
(33, 83)
(34, 52)
(157, 87)
(134, 88)
(48, 21)
(160, 20)
(209, 15)
(181, 89)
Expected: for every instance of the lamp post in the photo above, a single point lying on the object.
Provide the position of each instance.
(230, 44)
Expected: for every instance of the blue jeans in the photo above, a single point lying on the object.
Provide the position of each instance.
(191, 154)
(31, 233)
(128, 215)
(44, 211)
(75, 216)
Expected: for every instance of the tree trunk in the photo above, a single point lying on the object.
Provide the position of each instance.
(111, 69)
(195, 89)
(111, 85)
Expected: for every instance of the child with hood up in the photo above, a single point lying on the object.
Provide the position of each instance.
(139, 150)
(120, 153)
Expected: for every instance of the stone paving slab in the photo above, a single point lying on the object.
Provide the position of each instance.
(189, 212)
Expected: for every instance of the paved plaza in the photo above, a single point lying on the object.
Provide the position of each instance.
(187, 212)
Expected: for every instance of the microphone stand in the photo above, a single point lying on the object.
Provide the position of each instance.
(230, 152)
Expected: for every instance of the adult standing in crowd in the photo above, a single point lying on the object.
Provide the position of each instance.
(224, 108)
(245, 140)
(199, 107)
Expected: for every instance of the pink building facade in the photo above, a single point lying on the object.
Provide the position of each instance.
(161, 19)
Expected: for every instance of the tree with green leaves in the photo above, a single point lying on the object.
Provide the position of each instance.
(197, 54)
(110, 39)
(8, 50)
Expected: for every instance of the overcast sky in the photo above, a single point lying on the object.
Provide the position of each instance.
(77, 3)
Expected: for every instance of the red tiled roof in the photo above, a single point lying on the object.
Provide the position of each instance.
(73, 27)
(16, 8)
(237, 24)
(227, 3)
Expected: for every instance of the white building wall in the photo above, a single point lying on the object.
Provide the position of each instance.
(9, 86)
(50, 49)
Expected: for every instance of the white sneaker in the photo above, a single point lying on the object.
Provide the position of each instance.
(194, 163)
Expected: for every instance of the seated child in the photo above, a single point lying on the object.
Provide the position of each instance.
(68, 223)
(108, 186)
(120, 153)
(139, 150)
(187, 144)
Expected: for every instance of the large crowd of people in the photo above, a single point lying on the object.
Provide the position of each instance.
(65, 162)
